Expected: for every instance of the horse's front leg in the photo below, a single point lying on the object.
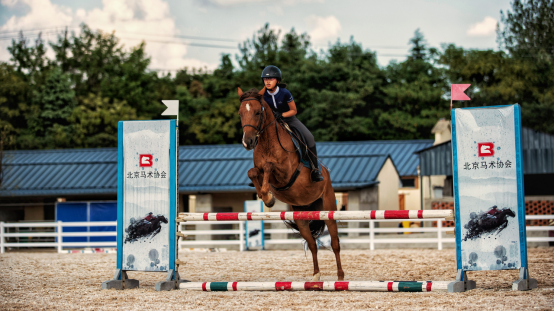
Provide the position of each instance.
(254, 175)
(267, 197)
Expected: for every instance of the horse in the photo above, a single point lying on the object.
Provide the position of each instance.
(276, 164)
(483, 224)
(143, 228)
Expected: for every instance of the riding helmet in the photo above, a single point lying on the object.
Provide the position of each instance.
(272, 71)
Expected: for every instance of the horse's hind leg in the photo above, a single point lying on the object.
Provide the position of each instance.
(330, 204)
(304, 229)
(335, 244)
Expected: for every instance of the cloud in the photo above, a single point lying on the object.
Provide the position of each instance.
(322, 28)
(482, 29)
(229, 3)
(132, 21)
(42, 14)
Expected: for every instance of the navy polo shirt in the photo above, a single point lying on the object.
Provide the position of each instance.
(279, 101)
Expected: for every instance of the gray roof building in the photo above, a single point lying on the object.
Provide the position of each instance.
(202, 169)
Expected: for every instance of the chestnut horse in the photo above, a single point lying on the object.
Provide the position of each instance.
(275, 165)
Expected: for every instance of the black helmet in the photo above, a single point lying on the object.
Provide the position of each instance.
(272, 71)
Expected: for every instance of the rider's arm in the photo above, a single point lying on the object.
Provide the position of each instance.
(292, 111)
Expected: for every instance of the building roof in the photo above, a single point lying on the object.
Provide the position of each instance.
(401, 152)
(537, 149)
(223, 175)
(205, 168)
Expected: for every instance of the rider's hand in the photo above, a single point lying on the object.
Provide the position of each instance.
(278, 115)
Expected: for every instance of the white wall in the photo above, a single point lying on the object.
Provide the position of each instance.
(388, 186)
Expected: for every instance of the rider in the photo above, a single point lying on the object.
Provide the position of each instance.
(493, 211)
(282, 104)
(149, 217)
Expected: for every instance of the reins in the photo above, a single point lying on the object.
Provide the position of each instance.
(259, 132)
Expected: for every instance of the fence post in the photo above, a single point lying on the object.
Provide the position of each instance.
(439, 227)
(371, 235)
(241, 235)
(1, 237)
(60, 248)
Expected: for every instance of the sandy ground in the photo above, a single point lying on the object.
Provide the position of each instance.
(48, 281)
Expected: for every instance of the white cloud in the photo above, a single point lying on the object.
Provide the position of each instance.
(229, 3)
(132, 21)
(482, 29)
(42, 14)
(323, 28)
(9, 3)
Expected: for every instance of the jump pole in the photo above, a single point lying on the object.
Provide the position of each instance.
(384, 286)
(318, 215)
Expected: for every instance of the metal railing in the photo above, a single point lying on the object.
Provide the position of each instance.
(56, 232)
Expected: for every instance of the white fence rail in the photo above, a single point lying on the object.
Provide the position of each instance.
(56, 231)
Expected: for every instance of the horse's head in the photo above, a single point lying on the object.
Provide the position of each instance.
(510, 212)
(252, 116)
(162, 218)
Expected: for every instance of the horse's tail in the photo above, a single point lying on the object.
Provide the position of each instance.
(316, 227)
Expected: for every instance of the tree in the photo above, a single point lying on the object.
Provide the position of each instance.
(528, 35)
(413, 94)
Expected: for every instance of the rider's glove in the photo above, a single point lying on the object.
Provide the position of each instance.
(278, 115)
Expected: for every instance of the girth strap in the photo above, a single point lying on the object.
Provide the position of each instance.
(292, 179)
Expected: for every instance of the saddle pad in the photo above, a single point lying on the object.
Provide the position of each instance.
(306, 163)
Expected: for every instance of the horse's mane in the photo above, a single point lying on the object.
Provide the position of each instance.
(251, 93)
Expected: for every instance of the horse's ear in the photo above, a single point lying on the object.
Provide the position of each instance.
(262, 91)
(240, 92)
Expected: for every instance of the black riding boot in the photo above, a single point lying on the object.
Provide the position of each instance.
(316, 174)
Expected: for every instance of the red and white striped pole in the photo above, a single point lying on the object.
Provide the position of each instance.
(318, 215)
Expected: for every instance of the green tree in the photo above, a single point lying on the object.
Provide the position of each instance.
(413, 94)
(94, 121)
(528, 35)
(13, 99)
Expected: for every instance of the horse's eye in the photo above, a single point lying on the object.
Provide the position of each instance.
(258, 113)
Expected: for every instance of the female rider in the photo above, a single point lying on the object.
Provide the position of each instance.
(283, 106)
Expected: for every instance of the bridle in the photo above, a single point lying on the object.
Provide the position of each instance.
(259, 129)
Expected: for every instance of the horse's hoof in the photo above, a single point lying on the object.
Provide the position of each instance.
(271, 201)
(316, 277)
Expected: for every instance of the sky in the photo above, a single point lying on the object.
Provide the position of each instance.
(195, 33)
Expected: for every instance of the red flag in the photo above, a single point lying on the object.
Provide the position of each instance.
(457, 93)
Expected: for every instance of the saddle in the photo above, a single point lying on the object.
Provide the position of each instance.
(300, 147)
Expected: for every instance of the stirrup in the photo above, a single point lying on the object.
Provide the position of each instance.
(316, 176)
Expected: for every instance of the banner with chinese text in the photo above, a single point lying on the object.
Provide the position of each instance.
(488, 188)
(147, 194)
